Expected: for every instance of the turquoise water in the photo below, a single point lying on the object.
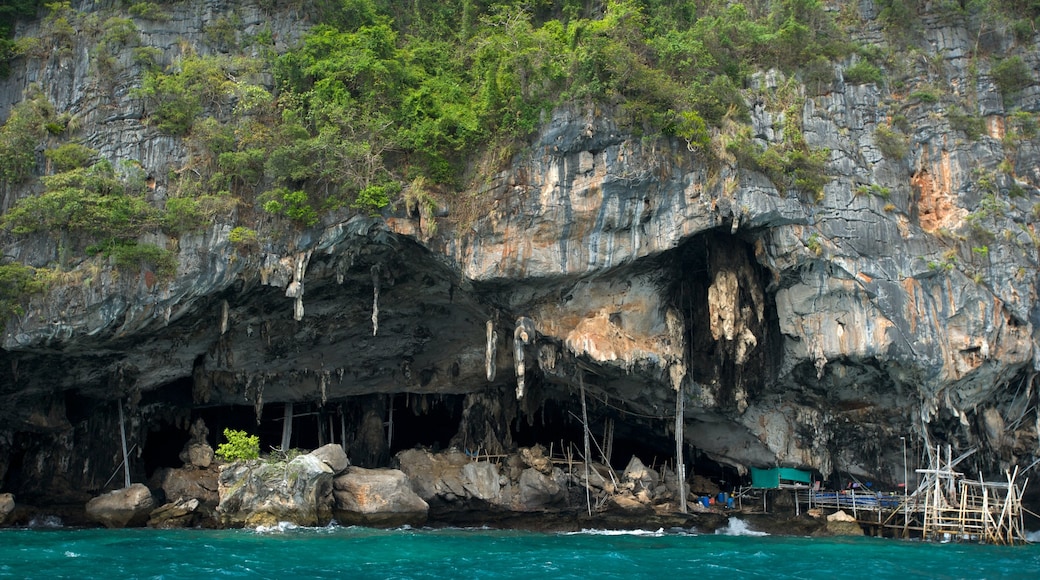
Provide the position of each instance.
(357, 553)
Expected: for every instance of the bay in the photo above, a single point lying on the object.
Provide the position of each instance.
(360, 553)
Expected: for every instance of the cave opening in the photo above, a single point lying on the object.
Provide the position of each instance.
(424, 421)
(553, 426)
(162, 447)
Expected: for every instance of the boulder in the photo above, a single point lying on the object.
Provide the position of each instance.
(178, 514)
(840, 516)
(627, 502)
(333, 456)
(643, 478)
(6, 506)
(259, 493)
(200, 455)
(190, 483)
(535, 457)
(122, 508)
(377, 497)
(539, 491)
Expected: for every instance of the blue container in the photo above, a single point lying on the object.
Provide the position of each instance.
(722, 498)
(729, 503)
(705, 501)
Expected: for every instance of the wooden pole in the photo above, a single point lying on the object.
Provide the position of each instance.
(342, 429)
(680, 465)
(390, 426)
(287, 427)
(588, 453)
(122, 438)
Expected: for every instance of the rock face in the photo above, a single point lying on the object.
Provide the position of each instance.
(377, 497)
(6, 506)
(258, 493)
(122, 508)
(899, 306)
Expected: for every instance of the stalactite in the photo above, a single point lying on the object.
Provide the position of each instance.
(295, 288)
(522, 335)
(224, 315)
(490, 351)
(324, 384)
(375, 299)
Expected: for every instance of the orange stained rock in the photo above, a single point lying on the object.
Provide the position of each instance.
(995, 126)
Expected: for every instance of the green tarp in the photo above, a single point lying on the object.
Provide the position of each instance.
(772, 478)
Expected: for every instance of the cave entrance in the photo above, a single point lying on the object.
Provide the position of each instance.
(162, 448)
(423, 421)
(556, 426)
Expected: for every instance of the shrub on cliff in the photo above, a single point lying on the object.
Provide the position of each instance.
(240, 446)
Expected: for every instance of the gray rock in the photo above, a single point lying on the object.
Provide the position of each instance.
(178, 514)
(377, 497)
(123, 508)
(190, 483)
(333, 456)
(200, 455)
(539, 491)
(258, 493)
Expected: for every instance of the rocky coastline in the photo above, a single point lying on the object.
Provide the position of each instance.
(523, 490)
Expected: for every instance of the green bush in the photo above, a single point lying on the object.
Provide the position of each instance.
(1011, 75)
(240, 446)
(243, 237)
(17, 282)
(892, 144)
(90, 200)
(70, 156)
(149, 11)
(972, 126)
(861, 73)
(132, 255)
(293, 204)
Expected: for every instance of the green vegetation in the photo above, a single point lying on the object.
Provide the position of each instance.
(892, 143)
(240, 446)
(973, 126)
(10, 12)
(862, 72)
(1011, 75)
(381, 94)
(17, 282)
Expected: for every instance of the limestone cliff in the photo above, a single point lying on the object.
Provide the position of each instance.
(899, 305)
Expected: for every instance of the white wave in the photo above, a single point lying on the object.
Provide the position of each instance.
(46, 522)
(69, 554)
(280, 527)
(596, 532)
(1033, 536)
(738, 527)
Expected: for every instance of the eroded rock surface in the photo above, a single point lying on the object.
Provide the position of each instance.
(123, 508)
(259, 493)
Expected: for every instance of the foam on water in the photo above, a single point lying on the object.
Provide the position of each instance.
(738, 527)
(1033, 536)
(279, 528)
(46, 522)
(596, 532)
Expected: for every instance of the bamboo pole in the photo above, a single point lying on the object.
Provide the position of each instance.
(680, 465)
(122, 438)
(585, 430)
(287, 425)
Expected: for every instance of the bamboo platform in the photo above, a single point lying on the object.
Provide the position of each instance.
(945, 507)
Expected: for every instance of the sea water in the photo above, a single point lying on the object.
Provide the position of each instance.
(358, 553)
